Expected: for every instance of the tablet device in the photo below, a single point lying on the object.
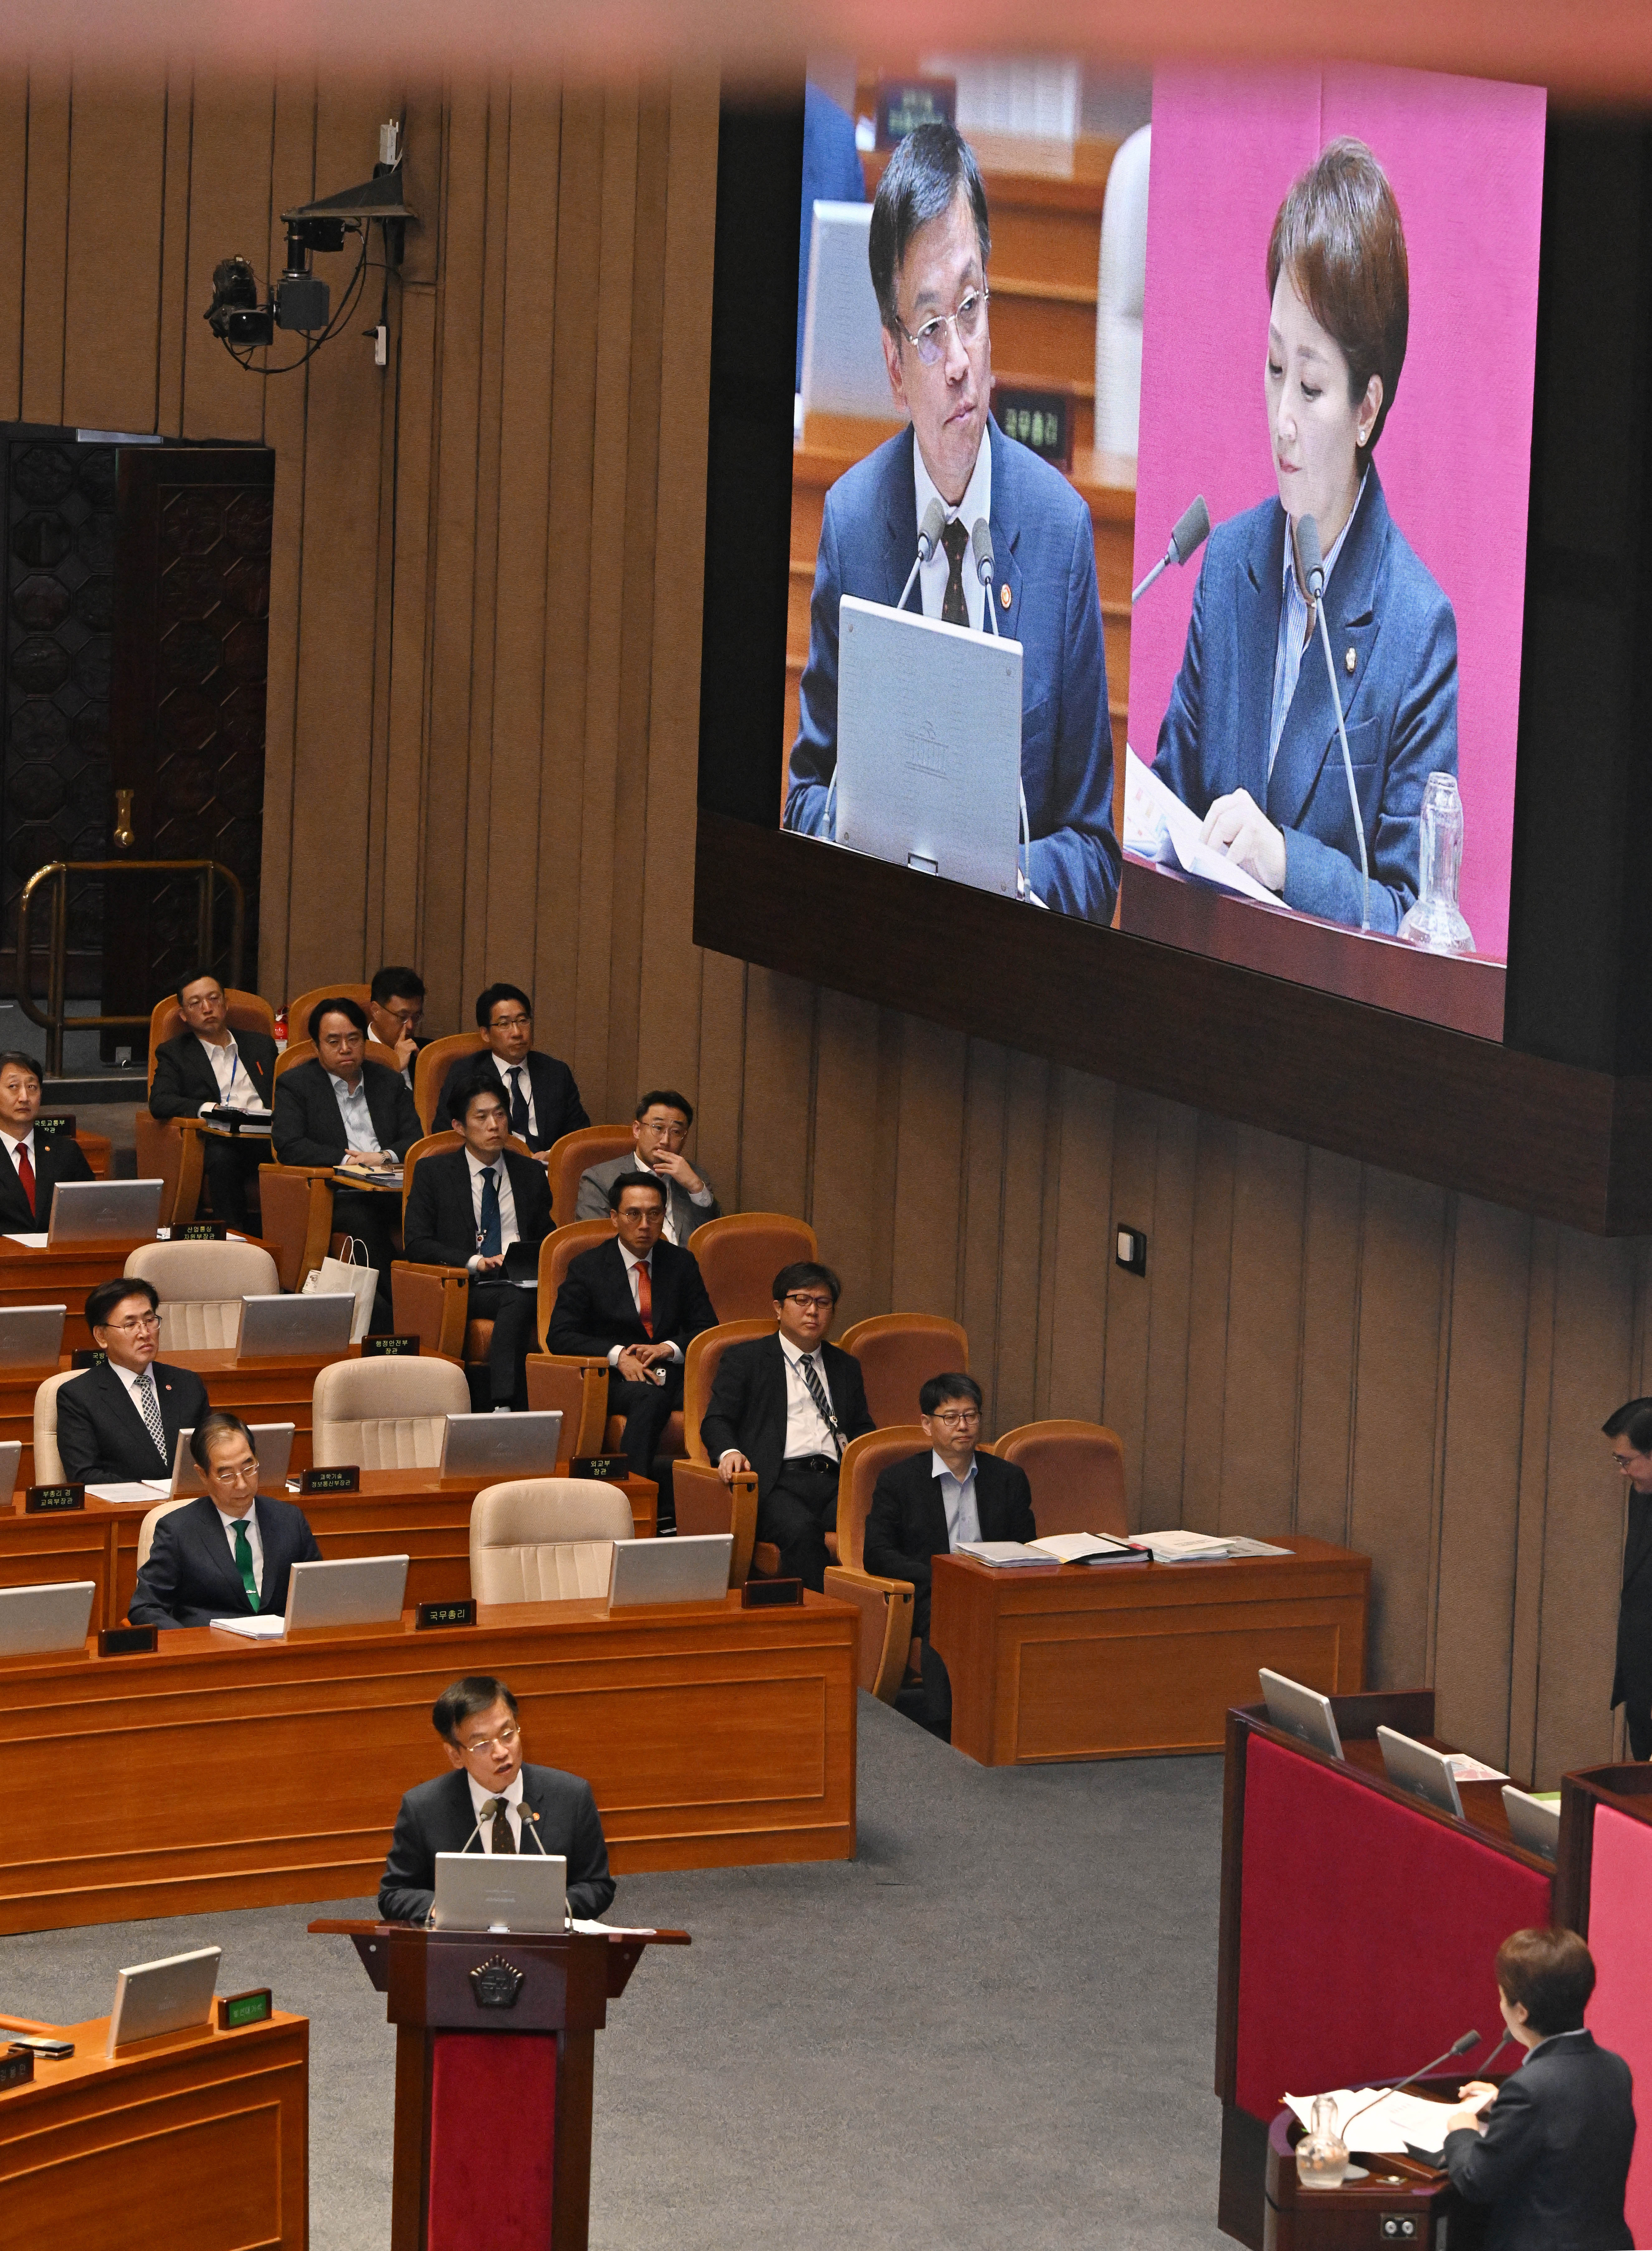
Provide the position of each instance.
(295, 1326)
(1534, 1827)
(90, 1211)
(843, 371)
(1411, 1766)
(10, 1455)
(501, 1891)
(35, 1621)
(272, 1443)
(31, 1336)
(692, 1568)
(163, 1997)
(496, 1446)
(350, 1591)
(1301, 1711)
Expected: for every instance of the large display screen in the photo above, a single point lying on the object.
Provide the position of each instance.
(1297, 307)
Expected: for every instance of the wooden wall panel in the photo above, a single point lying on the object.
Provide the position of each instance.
(46, 230)
(14, 196)
(112, 276)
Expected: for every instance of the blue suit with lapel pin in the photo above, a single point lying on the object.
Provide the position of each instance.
(1045, 548)
(1400, 704)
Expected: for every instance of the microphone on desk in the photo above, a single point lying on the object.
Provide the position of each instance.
(1458, 2047)
(1192, 530)
(929, 532)
(529, 1817)
(1311, 563)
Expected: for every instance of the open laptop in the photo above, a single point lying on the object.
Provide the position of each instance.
(929, 770)
(295, 1326)
(350, 1591)
(501, 1445)
(37, 1621)
(272, 1443)
(694, 1568)
(31, 1336)
(1411, 1766)
(94, 1211)
(501, 1891)
(171, 1996)
(1301, 1711)
(1534, 1827)
(843, 367)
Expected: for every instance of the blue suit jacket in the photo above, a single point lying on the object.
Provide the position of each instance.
(1046, 550)
(1400, 705)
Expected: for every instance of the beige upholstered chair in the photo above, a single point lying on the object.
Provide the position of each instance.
(385, 1414)
(48, 1462)
(898, 1353)
(885, 1604)
(202, 1286)
(146, 1530)
(545, 1539)
(1076, 1471)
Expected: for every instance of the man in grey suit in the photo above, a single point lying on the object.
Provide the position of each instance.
(660, 1128)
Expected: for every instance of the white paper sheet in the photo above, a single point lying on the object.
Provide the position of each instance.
(1393, 2123)
(1470, 1769)
(29, 1242)
(1158, 825)
(1007, 1554)
(148, 1490)
(267, 1628)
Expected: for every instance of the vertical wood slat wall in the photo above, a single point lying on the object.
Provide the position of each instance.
(483, 714)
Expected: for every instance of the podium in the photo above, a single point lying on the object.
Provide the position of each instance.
(1398, 2201)
(495, 2042)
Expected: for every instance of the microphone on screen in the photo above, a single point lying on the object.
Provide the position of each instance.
(1192, 530)
(1310, 563)
(981, 545)
(929, 532)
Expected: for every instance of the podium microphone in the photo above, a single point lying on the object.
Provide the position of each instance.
(1192, 530)
(929, 532)
(1310, 563)
(981, 542)
(1458, 2047)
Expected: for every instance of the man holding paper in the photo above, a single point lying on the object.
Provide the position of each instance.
(931, 1503)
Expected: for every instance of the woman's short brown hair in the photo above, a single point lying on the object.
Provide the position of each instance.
(1551, 1972)
(1340, 237)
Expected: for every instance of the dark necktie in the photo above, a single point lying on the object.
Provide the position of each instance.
(149, 1408)
(489, 1238)
(244, 1561)
(644, 1299)
(518, 1103)
(817, 1392)
(26, 1174)
(955, 611)
(503, 1841)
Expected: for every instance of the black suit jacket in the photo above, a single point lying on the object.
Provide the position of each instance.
(102, 1437)
(1554, 2157)
(906, 1524)
(438, 1817)
(190, 1577)
(1632, 1683)
(183, 1078)
(557, 1109)
(595, 1310)
(747, 1405)
(308, 1128)
(440, 1226)
(57, 1158)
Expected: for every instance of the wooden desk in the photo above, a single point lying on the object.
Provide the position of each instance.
(1125, 1661)
(197, 2141)
(398, 1511)
(219, 1774)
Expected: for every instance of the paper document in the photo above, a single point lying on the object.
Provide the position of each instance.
(1184, 1547)
(1087, 1547)
(270, 1627)
(1159, 826)
(29, 1242)
(141, 1489)
(1007, 1554)
(1467, 1768)
(1393, 2123)
(1255, 1547)
(610, 1929)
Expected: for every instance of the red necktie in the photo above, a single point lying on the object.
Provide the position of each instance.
(644, 1299)
(26, 1174)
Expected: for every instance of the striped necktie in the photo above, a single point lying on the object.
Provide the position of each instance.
(817, 1392)
(149, 1408)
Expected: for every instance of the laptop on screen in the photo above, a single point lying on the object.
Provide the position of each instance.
(31, 1336)
(1534, 1827)
(272, 1443)
(501, 1891)
(295, 1326)
(94, 1211)
(36, 1621)
(171, 1996)
(690, 1569)
(843, 368)
(1301, 1711)
(496, 1446)
(1426, 1774)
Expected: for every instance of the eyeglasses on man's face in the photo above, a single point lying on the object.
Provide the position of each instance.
(806, 1303)
(136, 1322)
(507, 1738)
(957, 1418)
(969, 319)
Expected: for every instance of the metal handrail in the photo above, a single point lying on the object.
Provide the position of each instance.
(56, 1022)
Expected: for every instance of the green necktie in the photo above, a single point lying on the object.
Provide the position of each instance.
(244, 1560)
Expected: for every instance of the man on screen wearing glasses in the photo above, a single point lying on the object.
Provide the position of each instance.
(928, 247)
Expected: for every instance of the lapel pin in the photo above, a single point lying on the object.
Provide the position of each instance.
(1348, 661)
(1004, 596)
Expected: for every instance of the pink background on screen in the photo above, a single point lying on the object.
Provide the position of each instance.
(1465, 160)
(1619, 2015)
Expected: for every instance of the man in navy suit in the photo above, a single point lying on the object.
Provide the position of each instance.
(786, 1406)
(120, 1422)
(930, 1504)
(32, 1162)
(210, 1067)
(540, 1091)
(228, 1553)
(928, 247)
(492, 1803)
(1550, 2150)
(1630, 1434)
(487, 1208)
(638, 1303)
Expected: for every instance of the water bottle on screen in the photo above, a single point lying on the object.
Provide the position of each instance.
(1322, 2155)
(1436, 920)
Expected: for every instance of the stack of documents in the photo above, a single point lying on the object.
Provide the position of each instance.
(1470, 1769)
(1008, 1554)
(1089, 1547)
(1184, 1547)
(148, 1490)
(1394, 2123)
(269, 1627)
(1159, 826)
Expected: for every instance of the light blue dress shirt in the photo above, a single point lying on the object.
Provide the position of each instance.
(358, 1120)
(1293, 631)
(962, 1518)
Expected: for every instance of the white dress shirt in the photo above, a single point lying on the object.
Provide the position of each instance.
(1293, 630)
(509, 1230)
(252, 1540)
(962, 1518)
(236, 1090)
(13, 1147)
(632, 1264)
(807, 1429)
(132, 1378)
(976, 502)
(701, 1196)
(358, 1118)
(512, 1794)
(524, 1079)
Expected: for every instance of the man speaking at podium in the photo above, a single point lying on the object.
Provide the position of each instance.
(928, 247)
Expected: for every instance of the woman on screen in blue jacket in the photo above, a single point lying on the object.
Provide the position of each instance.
(1249, 741)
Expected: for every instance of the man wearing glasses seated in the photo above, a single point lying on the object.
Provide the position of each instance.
(786, 1406)
(928, 248)
(539, 1090)
(228, 1553)
(931, 1503)
(120, 1422)
(492, 1803)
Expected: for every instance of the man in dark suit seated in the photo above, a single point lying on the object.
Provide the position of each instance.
(340, 1109)
(229, 1553)
(539, 1090)
(1550, 2150)
(394, 1010)
(1628, 1432)
(493, 1803)
(639, 1303)
(487, 1207)
(210, 1067)
(34, 1162)
(930, 1504)
(120, 1422)
(786, 1406)
(658, 1132)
